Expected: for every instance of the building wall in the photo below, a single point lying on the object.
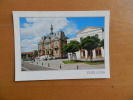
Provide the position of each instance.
(52, 45)
(89, 31)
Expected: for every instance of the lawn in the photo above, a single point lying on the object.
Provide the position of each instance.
(94, 63)
(78, 61)
(71, 62)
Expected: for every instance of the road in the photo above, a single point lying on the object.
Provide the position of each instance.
(56, 65)
(26, 66)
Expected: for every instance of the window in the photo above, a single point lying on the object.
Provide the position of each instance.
(83, 53)
(98, 52)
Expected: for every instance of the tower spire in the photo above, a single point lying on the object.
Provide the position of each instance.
(51, 29)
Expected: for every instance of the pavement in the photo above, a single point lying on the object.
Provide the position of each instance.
(27, 66)
(56, 65)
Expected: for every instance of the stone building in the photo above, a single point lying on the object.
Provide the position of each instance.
(51, 46)
(89, 31)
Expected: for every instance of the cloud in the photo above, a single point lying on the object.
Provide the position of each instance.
(29, 45)
(71, 29)
(41, 26)
(34, 28)
(27, 25)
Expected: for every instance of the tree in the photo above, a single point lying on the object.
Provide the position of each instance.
(72, 47)
(36, 53)
(90, 43)
(102, 43)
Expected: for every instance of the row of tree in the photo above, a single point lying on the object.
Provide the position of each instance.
(89, 43)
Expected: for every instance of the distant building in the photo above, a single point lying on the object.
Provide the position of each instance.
(28, 55)
(89, 31)
(34, 53)
(51, 46)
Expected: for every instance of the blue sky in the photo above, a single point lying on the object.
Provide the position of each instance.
(83, 22)
(32, 29)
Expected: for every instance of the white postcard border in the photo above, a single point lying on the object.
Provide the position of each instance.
(60, 74)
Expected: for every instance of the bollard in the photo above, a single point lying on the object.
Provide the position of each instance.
(42, 63)
(48, 65)
(60, 66)
(37, 62)
(77, 67)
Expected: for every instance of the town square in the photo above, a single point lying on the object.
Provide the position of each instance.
(63, 49)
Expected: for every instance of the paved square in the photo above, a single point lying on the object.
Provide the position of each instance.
(56, 65)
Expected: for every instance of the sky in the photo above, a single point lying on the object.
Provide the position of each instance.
(32, 28)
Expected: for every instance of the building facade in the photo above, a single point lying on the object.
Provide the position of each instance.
(51, 46)
(28, 55)
(89, 31)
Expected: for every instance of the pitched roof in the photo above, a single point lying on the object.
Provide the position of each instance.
(89, 27)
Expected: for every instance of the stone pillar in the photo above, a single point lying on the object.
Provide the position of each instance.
(69, 56)
(102, 51)
(86, 53)
(78, 55)
(94, 53)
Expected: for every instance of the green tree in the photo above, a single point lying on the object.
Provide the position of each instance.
(36, 53)
(102, 43)
(90, 43)
(72, 47)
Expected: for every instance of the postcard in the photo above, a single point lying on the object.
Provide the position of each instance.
(54, 45)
